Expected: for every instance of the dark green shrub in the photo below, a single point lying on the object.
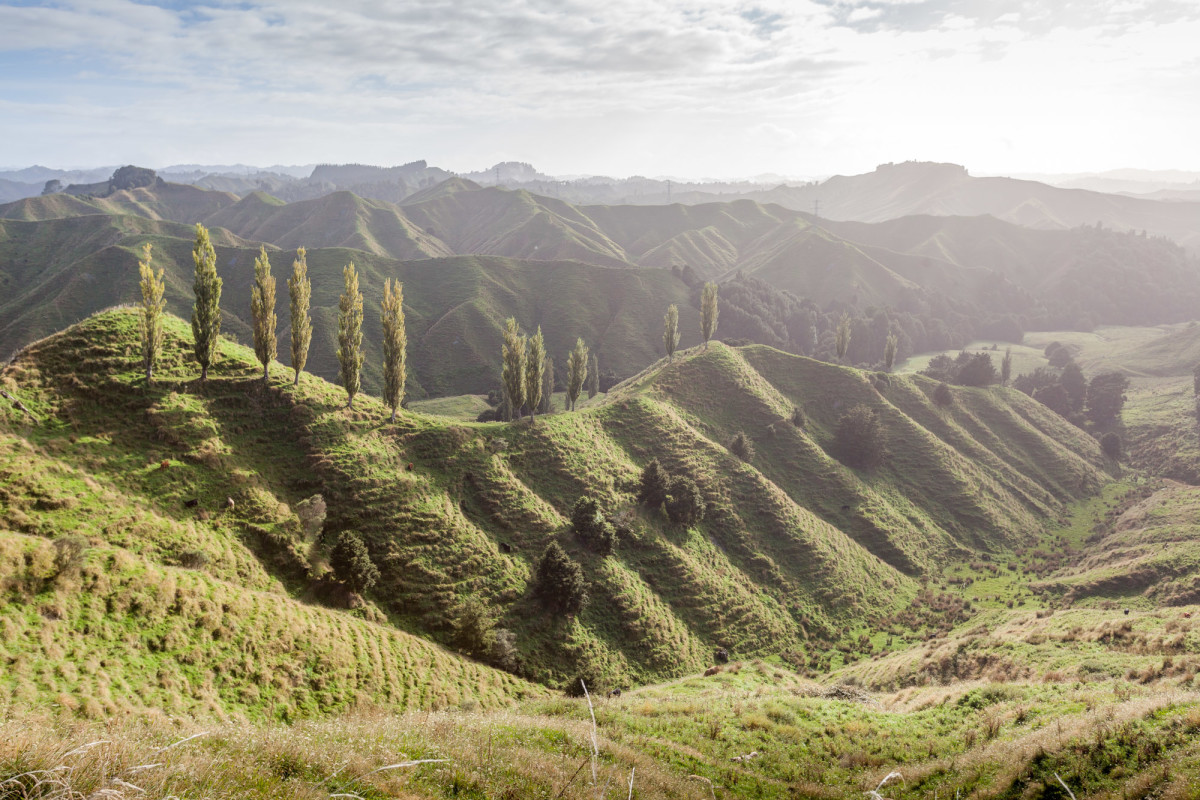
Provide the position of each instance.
(352, 563)
(594, 531)
(858, 440)
(559, 582)
(942, 395)
(1110, 443)
(652, 488)
(685, 503)
(742, 447)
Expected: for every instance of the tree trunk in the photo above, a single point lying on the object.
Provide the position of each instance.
(297, 381)
(393, 417)
(266, 372)
(203, 373)
(149, 374)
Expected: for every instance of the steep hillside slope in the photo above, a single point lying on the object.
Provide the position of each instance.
(795, 549)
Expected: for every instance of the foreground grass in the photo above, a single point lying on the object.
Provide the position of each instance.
(750, 731)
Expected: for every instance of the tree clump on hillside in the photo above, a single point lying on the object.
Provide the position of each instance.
(742, 447)
(300, 295)
(150, 318)
(1110, 443)
(671, 331)
(709, 312)
(577, 372)
(350, 319)
(206, 311)
(966, 369)
(395, 345)
(858, 440)
(594, 531)
(262, 311)
(559, 582)
(942, 395)
(685, 503)
(352, 563)
(1106, 398)
(653, 485)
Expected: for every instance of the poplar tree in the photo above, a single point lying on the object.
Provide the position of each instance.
(708, 311)
(671, 331)
(843, 335)
(889, 351)
(300, 293)
(350, 318)
(593, 377)
(395, 342)
(1006, 367)
(151, 322)
(262, 309)
(535, 365)
(512, 370)
(206, 313)
(577, 371)
(547, 404)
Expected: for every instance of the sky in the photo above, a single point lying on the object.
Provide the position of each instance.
(720, 88)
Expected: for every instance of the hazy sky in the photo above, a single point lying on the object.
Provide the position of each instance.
(618, 87)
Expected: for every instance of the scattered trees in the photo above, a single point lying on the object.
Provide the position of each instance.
(966, 369)
(559, 582)
(512, 370)
(535, 364)
(262, 311)
(708, 311)
(858, 440)
(671, 331)
(206, 312)
(300, 294)
(350, 318)
(395, 345)
(352, 563)
(577, 372)
(150, 319)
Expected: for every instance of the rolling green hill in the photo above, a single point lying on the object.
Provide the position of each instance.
(795, 550)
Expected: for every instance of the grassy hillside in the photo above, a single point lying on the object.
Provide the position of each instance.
(796, 550)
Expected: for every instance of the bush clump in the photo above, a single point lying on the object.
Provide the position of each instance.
(559, 582)
(594, 531)
(859, 440)
(685, 503)
(742, 447)
(352, 563)
(652, 488)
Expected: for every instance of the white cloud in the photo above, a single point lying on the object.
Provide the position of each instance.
(624, 86)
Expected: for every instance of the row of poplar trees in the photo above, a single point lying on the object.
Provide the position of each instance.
(527, 373)
(524, 359)
(206, 319)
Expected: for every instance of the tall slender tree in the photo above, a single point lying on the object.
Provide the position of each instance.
(889, 351)
(151, 318)
(512, 370)
(535, 365)
(671, 331)
(206, 313)
(350, 318)
(1006, 367)
(843, 335)
(547, 403)
(395, 343)
(593, 377)
(708, 311)
(577, 371)
(300, 294)
(262, 310)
